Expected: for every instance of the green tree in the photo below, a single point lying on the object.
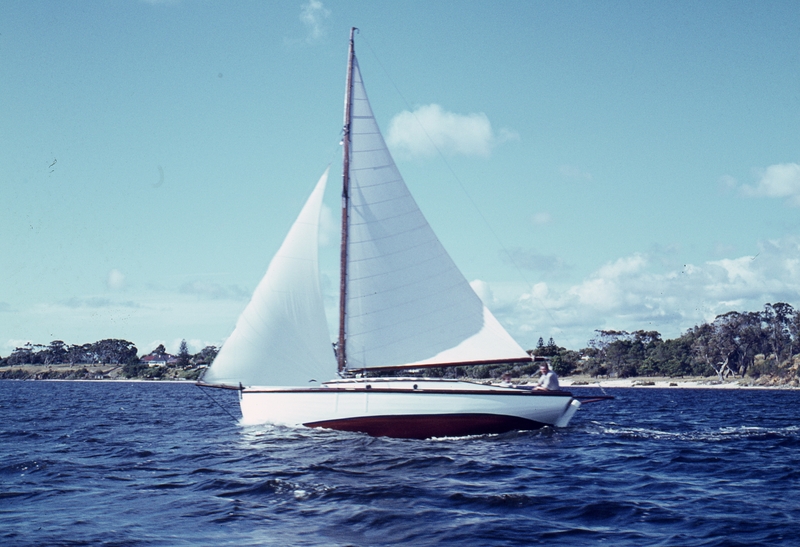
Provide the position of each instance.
(183, 355)
(778, 320)
(565, 361)
(134, 369)
(206, 355)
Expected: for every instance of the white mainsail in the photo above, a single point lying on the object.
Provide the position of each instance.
(282, 337)
(407, 303)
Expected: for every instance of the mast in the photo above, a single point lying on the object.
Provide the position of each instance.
(348, 99)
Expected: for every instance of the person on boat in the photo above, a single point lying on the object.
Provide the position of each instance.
(505, 380)
(549, 379)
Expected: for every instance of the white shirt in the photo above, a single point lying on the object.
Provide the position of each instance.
(549, 381)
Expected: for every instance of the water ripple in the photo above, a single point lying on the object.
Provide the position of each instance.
(155, 464)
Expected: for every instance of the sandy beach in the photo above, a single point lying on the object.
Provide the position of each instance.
(709, 382)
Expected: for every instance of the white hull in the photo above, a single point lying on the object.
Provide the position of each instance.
(408, 408)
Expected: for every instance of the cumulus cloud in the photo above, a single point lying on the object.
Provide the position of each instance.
(430, 129)
(781, 180)
(193, 345)
(570, 172)
(530, 259)
(638, 292)
(116, 280)
(15, 343)
(313, 15)
(483, 290)
(214, 291)
(96, 302)
(329, 227)
(727, 183)
(720, 249)
(542, 218)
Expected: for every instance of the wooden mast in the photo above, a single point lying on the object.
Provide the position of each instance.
(348, 99)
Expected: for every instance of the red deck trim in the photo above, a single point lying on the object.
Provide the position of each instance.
(362, 388)
(414, 366)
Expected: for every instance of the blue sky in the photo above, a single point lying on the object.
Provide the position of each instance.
(589, 165)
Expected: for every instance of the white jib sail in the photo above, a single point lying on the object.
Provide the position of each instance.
(282, 337)
(407, 302)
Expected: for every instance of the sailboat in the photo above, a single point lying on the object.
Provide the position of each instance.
(404, 306)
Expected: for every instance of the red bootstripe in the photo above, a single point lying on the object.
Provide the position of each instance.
(427, 426)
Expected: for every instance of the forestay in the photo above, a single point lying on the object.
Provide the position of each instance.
(407, 303)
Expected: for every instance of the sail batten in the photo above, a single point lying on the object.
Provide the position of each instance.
(387, 237)
(398, 215)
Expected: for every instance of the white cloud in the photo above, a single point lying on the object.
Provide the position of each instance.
(158, 314)
(430, 129)
(542, 218)
(781, 180)
(719, 248)
(530, 259)
(727, 183)
(194, 345)
(329, 227)
(95, 302)
(313, 15)
(639, 292)
(13, 344)
(147, 348)
(609, 288)
(213, 291)
(483, 290)
(116, 280)
(570, 172)
(623, 266)
(737, 269)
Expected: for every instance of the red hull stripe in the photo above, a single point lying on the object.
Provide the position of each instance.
(427, 426)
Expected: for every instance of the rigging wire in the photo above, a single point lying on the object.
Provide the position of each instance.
(217, 403)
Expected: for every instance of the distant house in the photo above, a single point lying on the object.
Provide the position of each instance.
(156, 360)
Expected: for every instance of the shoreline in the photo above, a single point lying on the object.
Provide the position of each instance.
(80, 373)
(698, 382)
(111, 373)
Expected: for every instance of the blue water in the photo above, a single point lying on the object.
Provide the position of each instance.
(118, 463)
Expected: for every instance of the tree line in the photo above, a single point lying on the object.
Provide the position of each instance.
(754, 344)
(121, 353)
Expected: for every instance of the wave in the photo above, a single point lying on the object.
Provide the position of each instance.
(719, 434)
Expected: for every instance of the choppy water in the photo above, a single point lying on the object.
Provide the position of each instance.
(117, 463)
